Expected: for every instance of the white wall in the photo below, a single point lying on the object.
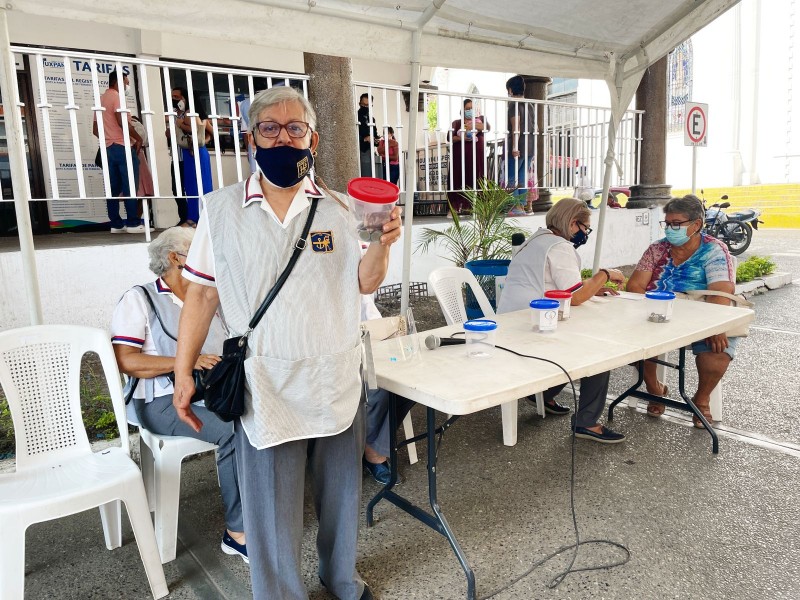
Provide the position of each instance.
(81, 286)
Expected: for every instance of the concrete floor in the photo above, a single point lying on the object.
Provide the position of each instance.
(697, 525)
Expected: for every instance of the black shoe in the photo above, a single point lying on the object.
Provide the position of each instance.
(556, 409)
(380, 472)
(367, 594)
(608, 436)
(234, 548)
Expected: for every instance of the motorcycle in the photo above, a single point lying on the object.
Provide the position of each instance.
(734, 229)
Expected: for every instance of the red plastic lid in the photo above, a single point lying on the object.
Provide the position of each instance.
(558, 294)
(371, 189)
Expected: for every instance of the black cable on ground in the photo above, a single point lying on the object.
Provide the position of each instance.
(556, 581)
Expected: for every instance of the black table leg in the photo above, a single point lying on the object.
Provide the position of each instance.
(686, 405)
(437, 520)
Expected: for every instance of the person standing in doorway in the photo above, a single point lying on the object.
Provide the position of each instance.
(520, 143)
(117, 155)
(367, 140)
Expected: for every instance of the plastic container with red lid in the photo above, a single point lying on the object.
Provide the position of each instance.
(564, 301)
(371, 201)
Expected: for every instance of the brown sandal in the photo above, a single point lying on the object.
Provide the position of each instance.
(656, 409)
(706, 412)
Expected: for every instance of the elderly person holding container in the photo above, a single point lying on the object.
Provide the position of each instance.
(687, 259)
(303, 395)
(143, 329)
(548, 261)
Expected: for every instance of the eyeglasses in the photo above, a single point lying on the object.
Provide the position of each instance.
(272, 129)
(674, 226)
(181, 254)
(586, 228)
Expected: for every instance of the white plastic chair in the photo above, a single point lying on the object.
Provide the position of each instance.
(161, 457)
(57, 473)
(447, 284)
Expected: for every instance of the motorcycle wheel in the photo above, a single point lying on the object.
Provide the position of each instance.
(737, 236)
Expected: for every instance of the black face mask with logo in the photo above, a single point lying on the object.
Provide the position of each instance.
(579, 238)
(284, 166)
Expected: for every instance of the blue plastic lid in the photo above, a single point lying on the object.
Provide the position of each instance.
(544, 304)
(481, 325)
(660, 295)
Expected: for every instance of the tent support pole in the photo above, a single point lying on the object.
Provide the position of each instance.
(609, 164)
(19, 176)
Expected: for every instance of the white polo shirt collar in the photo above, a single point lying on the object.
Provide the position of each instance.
(252, 193)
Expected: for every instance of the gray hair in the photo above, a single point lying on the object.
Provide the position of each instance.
(564, 212)
(690, 205)
(174, 239)
(279, 95)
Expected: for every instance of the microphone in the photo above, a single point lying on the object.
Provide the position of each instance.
(434, 341)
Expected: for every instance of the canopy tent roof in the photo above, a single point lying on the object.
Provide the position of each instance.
(613, 40)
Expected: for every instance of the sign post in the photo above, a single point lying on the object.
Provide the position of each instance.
(695, 133)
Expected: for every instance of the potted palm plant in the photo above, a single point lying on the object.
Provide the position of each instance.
(482, 242)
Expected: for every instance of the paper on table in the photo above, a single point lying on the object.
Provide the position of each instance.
(631, 296)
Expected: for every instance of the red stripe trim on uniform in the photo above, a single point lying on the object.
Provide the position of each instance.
(162, 287)
(128, 340)
(575, 287)
(314, 191)
(247, 195)
(199, 274)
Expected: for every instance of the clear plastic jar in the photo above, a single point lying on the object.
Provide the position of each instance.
(544, 315)
(479, 335)
(659, 306)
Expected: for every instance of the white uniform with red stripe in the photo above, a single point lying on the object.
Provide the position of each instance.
(544, 262)
(303, 360)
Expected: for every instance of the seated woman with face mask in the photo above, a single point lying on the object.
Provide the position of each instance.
(548, 261)
(687, 259)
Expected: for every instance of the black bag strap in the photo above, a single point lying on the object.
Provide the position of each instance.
(298, 248)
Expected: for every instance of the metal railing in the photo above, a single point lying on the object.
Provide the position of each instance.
(66, 102)
(452, 157)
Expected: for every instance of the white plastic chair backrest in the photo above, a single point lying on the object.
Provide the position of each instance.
(40, 375)
(447, 283)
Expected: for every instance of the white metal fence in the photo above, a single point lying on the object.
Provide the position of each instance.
(453, 157)
(63, 100)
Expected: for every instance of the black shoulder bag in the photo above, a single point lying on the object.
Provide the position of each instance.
(223, 384)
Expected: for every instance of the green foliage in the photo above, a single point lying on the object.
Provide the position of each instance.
(755, 266)
(587, 274)
(6, 428)
(432, 115)
(485, 235)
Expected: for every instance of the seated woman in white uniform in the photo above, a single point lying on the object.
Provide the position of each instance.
(143, 328)
(548, 261)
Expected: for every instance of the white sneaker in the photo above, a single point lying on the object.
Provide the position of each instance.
(137, 229)
(117, 230)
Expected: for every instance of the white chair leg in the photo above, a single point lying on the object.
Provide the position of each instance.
(509, 412)
(139, 516)
(168, 489)
(12, 559)
(408, 429)
(111, 516)
(716, 402)
(540, 404)
(148, 473)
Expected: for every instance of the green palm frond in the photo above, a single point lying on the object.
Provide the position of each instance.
(487, 235)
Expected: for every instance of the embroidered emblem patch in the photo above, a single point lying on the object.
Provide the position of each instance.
(322, 241)
(302, 167)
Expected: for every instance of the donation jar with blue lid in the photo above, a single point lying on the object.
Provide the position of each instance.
(479, 335)
(544, 315)
(658, 306)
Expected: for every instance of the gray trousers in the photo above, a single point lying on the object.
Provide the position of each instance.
(378, 419)
(160, 417)
(272, 485)
(592, 398)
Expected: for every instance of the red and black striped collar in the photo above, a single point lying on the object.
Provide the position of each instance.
(252, 189)
(162, 287)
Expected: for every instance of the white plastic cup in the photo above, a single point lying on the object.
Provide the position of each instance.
(479, 335)
(659, 306)
(371, 201)
(544, 315)
(564, 299)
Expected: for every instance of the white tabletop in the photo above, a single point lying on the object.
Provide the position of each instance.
(599, 336)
